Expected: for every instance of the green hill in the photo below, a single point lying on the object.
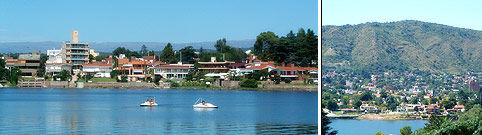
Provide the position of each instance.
(401, 46)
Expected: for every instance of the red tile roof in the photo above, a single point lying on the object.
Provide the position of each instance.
(148, 57)
(297, 68)
(122, 61)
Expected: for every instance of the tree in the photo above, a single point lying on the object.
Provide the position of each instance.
(167, 54)
(143, 50)
(188, 54)
(407, 130)
(435, 123)
(325, 123)
(91, 57)
(64, 75)
(379, 133)
(474, 112)
(357, 103)
(121, 50)
(264, 42)
(152, 53)
(261, 75)
(332, 105)
(280, 50)
(114, 73)
(4, 73)
(277, 79)
(123, 78)
(99, 58)
(366, 96)
(249, 83)
(41, 70)
(190, 75)
(221, 45)
(15, 74)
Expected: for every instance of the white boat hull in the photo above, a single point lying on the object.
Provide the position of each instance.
(149, 104)
(207, 105)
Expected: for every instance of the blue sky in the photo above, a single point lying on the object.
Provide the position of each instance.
(153, 21)
(463, 14)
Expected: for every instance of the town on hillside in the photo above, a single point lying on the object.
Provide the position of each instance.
(403, 95)
(77, 65)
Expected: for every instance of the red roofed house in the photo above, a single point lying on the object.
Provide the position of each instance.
(214, 66)
(295, 73)
(432, 109)
(151, 59)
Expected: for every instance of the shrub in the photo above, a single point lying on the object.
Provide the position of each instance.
(114, 73)
(249, 83)
(287, 80)
(156, 80)
(123, 78)
(277, 79)
(174, 84)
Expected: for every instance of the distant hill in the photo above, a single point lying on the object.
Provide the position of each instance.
(402, 45)
(25, 47)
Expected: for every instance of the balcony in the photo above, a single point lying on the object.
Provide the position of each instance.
(77, 48)
(77, 53)
(78, 58)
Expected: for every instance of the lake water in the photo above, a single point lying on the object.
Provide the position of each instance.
(117, 111)
(370, 127)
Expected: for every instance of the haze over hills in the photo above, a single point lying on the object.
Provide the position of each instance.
(401, 46)
(26, 47)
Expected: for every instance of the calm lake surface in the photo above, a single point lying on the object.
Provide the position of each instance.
(117, 111)
(370, 127)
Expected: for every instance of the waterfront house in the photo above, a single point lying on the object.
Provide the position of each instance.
(27, 63)
(172, 71)
(97, 69)
(369, 108)
(295, 73)
(55, 68)
(408, 107)
(56, 63)
(457, 108)
(214, 67)
(136, 70)
(432, 109)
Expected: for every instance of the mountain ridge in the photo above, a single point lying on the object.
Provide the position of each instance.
(26, 47)
(401, 46)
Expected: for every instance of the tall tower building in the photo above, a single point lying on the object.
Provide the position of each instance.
(75, 37)
(75, 52)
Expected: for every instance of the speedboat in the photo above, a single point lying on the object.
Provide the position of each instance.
(151, 102)
(203, 104)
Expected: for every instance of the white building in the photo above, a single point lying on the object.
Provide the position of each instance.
(56, 63)
(55, 68)
(173, 71)
(97, 70)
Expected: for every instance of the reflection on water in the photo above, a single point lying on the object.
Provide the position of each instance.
(60, 111)
(204, 109)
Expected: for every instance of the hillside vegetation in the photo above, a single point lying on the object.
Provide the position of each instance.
(401, 46)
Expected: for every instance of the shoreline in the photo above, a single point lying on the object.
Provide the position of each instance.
(383, 117)
(245, 89)
(184, 88)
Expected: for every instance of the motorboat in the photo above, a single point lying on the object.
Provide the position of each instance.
(151, 101)
(200, 103)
